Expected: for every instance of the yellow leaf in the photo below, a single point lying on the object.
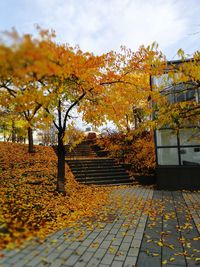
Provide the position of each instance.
(155, 254)
(164, 262)
(160, 243)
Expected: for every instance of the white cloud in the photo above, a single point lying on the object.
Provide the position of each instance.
(103, 25)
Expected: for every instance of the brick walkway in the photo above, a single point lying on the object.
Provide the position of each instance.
(126, 236)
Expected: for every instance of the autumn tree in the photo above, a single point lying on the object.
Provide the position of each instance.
(127, 103)
(21, 64)
(12, 126)
(177, 94)
(46, 81)
(72, 76)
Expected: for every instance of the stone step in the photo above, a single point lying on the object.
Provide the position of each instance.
(108, 182)
(97, 159)
(104, 177)
(97, 170)
(83, 154)
(102, 174)
(86, 162)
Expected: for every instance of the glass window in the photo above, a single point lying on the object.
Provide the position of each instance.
(191, 156)
(167, 156)
(166, 137)
(161, 80)
(180, 92)
(189, 136)
(191, 94)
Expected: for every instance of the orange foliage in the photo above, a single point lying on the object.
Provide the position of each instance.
(30, 205)
(138, 150)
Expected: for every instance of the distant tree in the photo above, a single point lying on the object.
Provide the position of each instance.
(12, 126)
(20, 64)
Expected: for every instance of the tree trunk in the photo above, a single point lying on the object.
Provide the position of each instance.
(13, 132)
(61, 164)
(30, 140)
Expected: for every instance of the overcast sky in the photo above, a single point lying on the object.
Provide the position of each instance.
(102, 25)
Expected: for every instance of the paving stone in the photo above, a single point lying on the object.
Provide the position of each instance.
(192, 263)
(109, 237)
(114, 230)
(80, 264)
(117, 264)
(107, 259)
(130, 261)
(100, 253)
(136, 243)
(57, 263)
(87, 242)
(99, 239)
(152, 233)
(174, 265)
(103, 234)
(131, 233)
(105, 244)
(42, 264)
(124, 246)
(108, 227)
(94, 262)
(138, 235)
(52, 256)
(127, 239)
(180, 260)
(66, 254)
(145, 260)
(75, 245)
(19, 263)
(133, 252)
(10, 253)
(120, 256)
(93, 235)
(86, 257)
(71, 261)
(19, 256)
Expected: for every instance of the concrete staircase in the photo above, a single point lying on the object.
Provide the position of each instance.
(89, 168)
(81, 150)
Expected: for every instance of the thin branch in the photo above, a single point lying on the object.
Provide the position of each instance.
(35, 110)
(73, 105)
(10, 91)
(55, 124)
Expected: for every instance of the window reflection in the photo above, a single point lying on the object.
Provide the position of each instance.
(166, 137)
(168, 156)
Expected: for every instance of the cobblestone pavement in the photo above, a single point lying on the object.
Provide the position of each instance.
(176, 229)
(128, 237)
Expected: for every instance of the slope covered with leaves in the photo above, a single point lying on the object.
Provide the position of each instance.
(30, 207)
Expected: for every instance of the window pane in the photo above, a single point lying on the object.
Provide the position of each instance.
(161, 80)
(190, 155)
(167, 156)
(189, 136)
(166, 137)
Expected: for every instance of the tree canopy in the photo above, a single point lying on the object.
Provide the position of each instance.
(43, 81)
